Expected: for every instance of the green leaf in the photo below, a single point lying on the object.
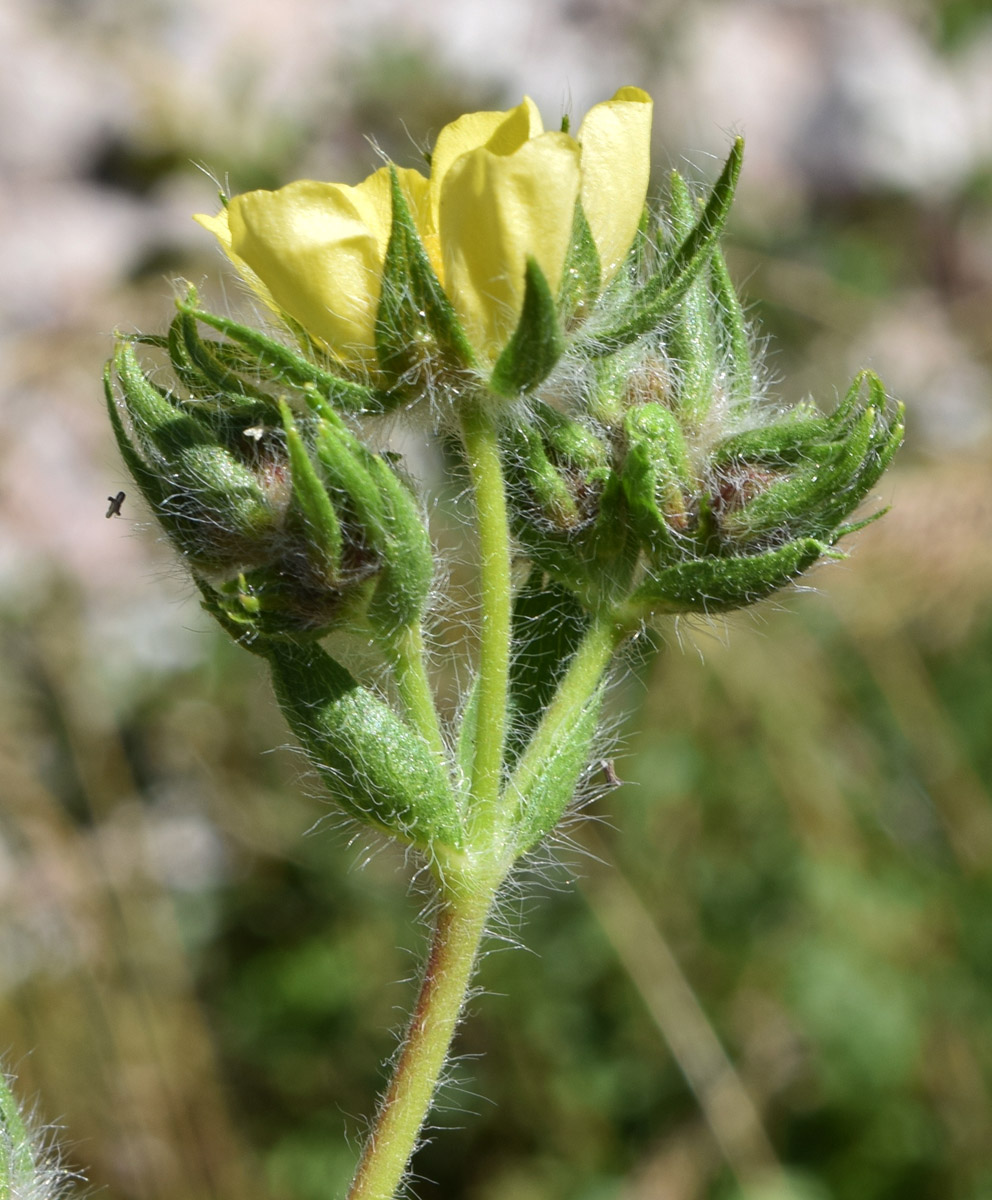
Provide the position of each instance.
(537, 343)
(542, 806)
(548, 624)
(375, 766)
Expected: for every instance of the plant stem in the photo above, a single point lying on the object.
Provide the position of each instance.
(406, 654)
(461, 922)
(584, 675)
(496, 601)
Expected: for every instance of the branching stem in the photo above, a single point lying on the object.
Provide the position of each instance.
(468, 891)
(406, 655)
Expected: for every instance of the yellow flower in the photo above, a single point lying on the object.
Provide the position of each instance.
(501, 190)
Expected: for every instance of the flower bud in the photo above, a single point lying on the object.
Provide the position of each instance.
(694, 501)
(295, 524)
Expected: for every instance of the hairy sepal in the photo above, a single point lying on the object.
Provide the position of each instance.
(416, 324)
(537, 343)
(648, 305)
(18, 1167)
(276, 362)
(580, 280)
(713, 585)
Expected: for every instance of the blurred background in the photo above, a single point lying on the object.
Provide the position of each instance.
(768, 971)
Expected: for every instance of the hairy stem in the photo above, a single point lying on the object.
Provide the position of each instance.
(496, 600)
(406, 656)
(580, 681)
(460, 924)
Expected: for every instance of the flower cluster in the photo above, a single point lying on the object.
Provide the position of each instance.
(592, 357)
(503, 204)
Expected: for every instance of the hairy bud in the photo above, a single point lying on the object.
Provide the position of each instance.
(265, 491)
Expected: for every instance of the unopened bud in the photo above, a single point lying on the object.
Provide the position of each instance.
(275, 504)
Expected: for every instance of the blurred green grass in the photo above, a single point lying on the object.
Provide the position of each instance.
(201, 995)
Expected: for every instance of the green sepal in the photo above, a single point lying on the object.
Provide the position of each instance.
(690, 343)
(656, 479)
(807, 498)
(732, 336)
(830, 478)
(275, 361)
(537, 343)
(651, 303)
(712, 585)
(153, 486)
(345, 463)
(201, 369)
(614, 545)
(780, 443)
(322, 529)
(580, 280)
(407, 573)
(541, 807)
(386, 518)
(375, 766)
(573, 444)
(548, 491)
(415, 322)
(611, 384)
(288, 599)
(208, 500)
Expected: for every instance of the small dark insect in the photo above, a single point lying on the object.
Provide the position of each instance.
(115, 504)
(613, 780)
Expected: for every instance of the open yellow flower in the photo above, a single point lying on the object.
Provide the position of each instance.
(501, 191)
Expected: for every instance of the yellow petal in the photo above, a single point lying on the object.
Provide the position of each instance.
(497, 210)
(502, 132)
(314, 251)
(220, 227)
(616, 161)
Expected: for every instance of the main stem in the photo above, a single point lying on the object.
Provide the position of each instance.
(465, 902)
(461, 922)
(495, 602)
